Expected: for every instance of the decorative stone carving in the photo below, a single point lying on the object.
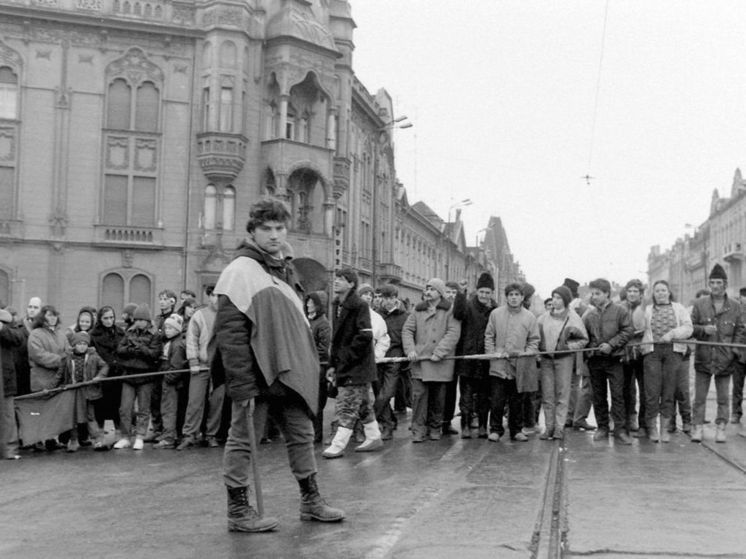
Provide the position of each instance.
(145, 154)
(128, 258)
(85, 59)
(136, 67)
(117, 152)
(341, 175)
(58, 223)
(47, 3)
(9, 56)
(95, 5)
(182, 15)
(46, 54)
(62, 97)
(221, 156)
(7, 144)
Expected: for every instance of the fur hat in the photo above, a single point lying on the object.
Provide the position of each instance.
(572, 285)
(175, 321)
(129, 309)
(5, 316)
(142, 312)
(564, 292)
(80, 337)
(438, 285)
(718, 273)
(485, 280)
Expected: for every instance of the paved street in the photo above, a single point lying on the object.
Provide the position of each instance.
(438, 499)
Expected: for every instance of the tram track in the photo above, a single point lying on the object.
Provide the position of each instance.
(549, 536)
(717, 450)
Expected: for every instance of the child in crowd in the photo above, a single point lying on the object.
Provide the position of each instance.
(83, 364)
(175, 385)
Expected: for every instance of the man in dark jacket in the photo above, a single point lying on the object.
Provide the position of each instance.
(609, 329)
(716, 318)
(12, 348)
(353, 366)
(263, 348)
(474, 376)
(388, 373)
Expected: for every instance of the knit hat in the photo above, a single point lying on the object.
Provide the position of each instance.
(572, 285)
(485, 280)
(80, 337)
(564, 292)
(365, 288)
(718, 273)
(5, 316)
(142, 312)
(438, 285)
(129, 309)
(175, 321)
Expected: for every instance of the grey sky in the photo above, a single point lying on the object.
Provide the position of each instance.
(502, 97)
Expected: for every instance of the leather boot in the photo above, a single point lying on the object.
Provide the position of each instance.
(372, 438)
(720, 433)
(666, 430)
(653, 433)
(697, 434)
(242, 517)
(339, 443)
(632, 424)
(312, 504)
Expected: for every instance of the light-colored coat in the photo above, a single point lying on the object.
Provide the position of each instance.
(432, 332)
(682, 331)
(46, 350)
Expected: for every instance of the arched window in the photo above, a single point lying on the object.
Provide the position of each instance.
(8, 93)
(146, 109)
(112, 291)
(229, 208)
(4, 288)
(119, 105)
(140, 291)
(126, 286)
(210, 209)
(226, 109)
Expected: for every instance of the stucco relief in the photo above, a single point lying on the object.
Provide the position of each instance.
(7, 144)
(136, 67)
(9, 56)
(117, 152)
(145, 154)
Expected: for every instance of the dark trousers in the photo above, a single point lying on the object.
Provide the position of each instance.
(449, 407)
(607, 377)
(634, 384)
(474, 400)
(403, 398)
(682, 396)
(739, 373)
(427, 407)
(318, 419)
(155, 405)
(504, 391)
(384, 390)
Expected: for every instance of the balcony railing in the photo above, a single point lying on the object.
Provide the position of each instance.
(389, 272)
(123, 235)
(221, 155)
(162, 11)
(733, 252)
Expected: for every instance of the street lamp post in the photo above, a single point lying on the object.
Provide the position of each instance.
(463, 203)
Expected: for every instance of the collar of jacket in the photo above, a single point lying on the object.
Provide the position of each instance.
(351, 301)
(727, 304)
(251, 249)
(443, 304)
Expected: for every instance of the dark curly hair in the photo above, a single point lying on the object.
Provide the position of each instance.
(267, 209)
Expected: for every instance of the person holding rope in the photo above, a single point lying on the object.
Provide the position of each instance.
(263, 347)
(665, 320)
(716, 318)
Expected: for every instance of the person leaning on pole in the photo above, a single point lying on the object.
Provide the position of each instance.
(262, 345)
(716, 318)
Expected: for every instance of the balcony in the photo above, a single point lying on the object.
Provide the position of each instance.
(733, 252)
(389, 272)
(221, 155)
(284, 154)
(364, 264)
(130, 237)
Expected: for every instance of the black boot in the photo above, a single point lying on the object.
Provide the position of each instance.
(242, 517)
(313, 506)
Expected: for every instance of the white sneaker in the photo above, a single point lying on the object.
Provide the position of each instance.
(138, 444)
(122, 443)
(494, 437)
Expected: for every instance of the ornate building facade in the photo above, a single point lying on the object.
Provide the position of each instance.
(134, 135)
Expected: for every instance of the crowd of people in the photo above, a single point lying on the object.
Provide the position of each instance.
(261, 354)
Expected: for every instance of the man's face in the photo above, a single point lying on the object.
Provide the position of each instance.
(432, 295)
(717, 287)
(165, 302)
(633, 295)
(450, 293)
(270, 236)
(484, 295)
(377, 299)
(515, 299)
(388, 303)
(598, 298)
(341, 285)
(33, 308)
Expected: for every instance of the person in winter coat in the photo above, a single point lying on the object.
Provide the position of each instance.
(474, 313)
(430, 334)
(12, 349)
(321, 330)
(176, 384)
(47, 346)
(560, 329)
(632, 365)
(84, 323)
(716, 318)
(262, 347)
(609, 329)
(581, 394)
(138, 352)
(665, 320)
(105, 338)
(202, 390)
(389, 373)
(83, 364)
(352, 367)
(512, 333)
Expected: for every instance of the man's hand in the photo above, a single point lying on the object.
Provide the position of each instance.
(710, 329)
(604, 348)
(514, 353)
(412, 356)
(330, 377)
(462, 285)
(194, 369)
(435, 358)
(667, 337)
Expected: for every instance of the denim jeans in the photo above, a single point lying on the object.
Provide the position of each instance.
(474, 400)
(581, 394)
(661, 373)
(428, 399)
(701, 388)
(200, 385)
(504, 391)
(682, 396)
(290, 413)
(388, 381)
(131, 393)
(556, 378)
(607, 371)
